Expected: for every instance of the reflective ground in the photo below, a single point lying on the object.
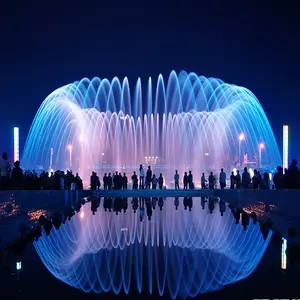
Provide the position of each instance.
(170, 247)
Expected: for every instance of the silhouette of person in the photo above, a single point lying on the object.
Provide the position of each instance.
(238, 179)
(105, 181)
(185, 181)
(109, 181)
(203, 181)
(148, 177)
(232, 181)
(211, 181)
(142, 177)
(190, 180)
(160, 181)
(124, 181)
(176, 180)
(154, 182)
(246, 180)
(134, 181)
(222, 179)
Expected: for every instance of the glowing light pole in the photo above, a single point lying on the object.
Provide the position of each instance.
(16, 144)
(70, 150)
(241, 138)
(285, 146)
(102, 159)
(260, 148)
(51, 154)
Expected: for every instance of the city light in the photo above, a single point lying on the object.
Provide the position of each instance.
(16, 144)
(285, 146)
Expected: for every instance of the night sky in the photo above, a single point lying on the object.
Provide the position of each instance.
(45, 45)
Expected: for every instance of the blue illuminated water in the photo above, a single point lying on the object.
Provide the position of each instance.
(176, 253)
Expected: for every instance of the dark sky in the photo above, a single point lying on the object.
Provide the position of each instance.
(47, 44)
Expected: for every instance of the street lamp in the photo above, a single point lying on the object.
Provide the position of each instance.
(261, 147)
(241, 138)
(70, 151)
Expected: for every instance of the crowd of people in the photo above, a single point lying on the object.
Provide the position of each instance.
(15, 178)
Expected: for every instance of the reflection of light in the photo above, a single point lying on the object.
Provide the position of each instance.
(283, 254)
(34, 215)
(106, 238)
(251, 172)
(70, 147)
(102, 153)
(206, 154)
(9, 208)
(258, 208)
(81, 215)
(19, 265)
(241, 136)
(234, 170)
(261, 145)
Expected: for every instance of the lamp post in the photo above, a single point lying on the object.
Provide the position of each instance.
(261, 147)
(51, 155)
(70, 151)
(241, 138)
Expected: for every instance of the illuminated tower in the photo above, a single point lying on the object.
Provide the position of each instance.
(16, 144)
(285, 146)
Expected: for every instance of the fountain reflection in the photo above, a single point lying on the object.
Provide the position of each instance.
(182, 247)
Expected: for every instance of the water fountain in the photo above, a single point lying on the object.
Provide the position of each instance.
(189, 122)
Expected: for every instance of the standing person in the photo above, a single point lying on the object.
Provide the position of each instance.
(238, 179)
(185, 181)
(222, 179)
(154, 182)
(203, 181)
(142, 177)
(176, 180)
(4, 172)
(105, 181)
(109, 181)
(148, 177)
(232, 180)
(246, 180)
(160, 181)
(211, 181)
(124, 181)
(93, 181)
(98, 181)
(191, 182)
(134, 179)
